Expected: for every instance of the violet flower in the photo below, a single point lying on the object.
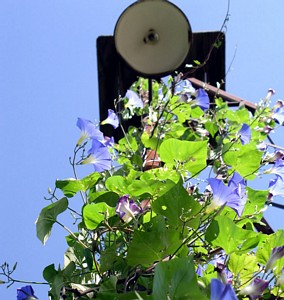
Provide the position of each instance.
(277, 169)
(280, 279)
(276, 188)
(277, 253)
(278, 113)
(255, 288)
(127, 210)
(239, 183)
(111, 119)
(270, 93)
(272, 157)
(202, 99)
(245, 134)
(134, 101)
(223, 272)
(219, 291)
(26, 293)
(199, 270)
(88, 130)
(262, 146)
(232, 195)
(98, 156)
(109, 142)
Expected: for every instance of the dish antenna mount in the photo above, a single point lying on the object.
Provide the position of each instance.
(153, 37)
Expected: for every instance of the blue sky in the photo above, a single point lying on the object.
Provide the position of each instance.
(48, 77)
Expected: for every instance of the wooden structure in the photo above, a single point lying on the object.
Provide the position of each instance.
(115, 76)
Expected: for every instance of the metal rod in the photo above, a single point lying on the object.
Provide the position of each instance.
(150, 90)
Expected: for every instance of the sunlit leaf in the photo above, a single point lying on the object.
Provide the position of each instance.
(190, 155)
(94, 214)
(148, 243)
(117, 184)
(264, 250)
(224, 233)
(176, 279)
(110, 198)
(47, 218)
(243, 265)
(176, 205)
(244, 159)
(70, 187)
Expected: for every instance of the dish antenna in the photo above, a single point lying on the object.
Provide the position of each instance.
(153, 37)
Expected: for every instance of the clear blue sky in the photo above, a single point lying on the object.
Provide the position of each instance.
(48, 77)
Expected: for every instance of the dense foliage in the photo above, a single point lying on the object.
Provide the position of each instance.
(171, 208)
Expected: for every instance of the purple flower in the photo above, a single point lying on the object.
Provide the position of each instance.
(220, 267)
(276, 188)
(26, 293)
(109, 142)
(98, 156)
(278, 113)
(127, 210)
(270, 93)
(232, 195)
(255, 289)
(277, 169)
(223, 273)
(277, 253)
(202, 99)
(133, 101)
(262, 146)
(88, 130)
(280, 279)
(239, 184)
(219, 291)
(272, 157)
(245, 134)
(199, 270)
(111, 119)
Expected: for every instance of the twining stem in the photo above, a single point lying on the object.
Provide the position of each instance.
(81, 243)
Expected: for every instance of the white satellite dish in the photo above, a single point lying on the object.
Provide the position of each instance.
(153, 37)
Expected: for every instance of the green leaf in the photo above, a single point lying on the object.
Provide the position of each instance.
(149, 142)
(110, 198)
(177, 205)
(244, 159)
(243, 266)
(127, 143)
(57, 278)
(108, 285)
(161, 174)
(49, 273)
(176, 279)
(125, 296)
(146, 248)
(189, 155)
(255, 202)
(224, 233)
(211, 127)
(264, 249)
(182, 111)
(47, 218)
(110, 260)
(240, 116)
(89, 258)
(117, 184)
(94, 214)
(70, 187)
